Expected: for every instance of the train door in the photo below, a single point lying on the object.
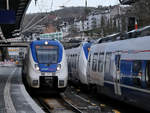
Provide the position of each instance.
(88, 71)
(147, 75)
(76, 60)
(74, 67)
(77, 65)
(117, 77)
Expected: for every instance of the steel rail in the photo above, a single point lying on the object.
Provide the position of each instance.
(44, 105)
(47, 108)
(76, 109)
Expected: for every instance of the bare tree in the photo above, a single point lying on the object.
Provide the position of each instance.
(141, 9)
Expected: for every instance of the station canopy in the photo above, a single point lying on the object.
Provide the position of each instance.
(127, 2)
(17, 8)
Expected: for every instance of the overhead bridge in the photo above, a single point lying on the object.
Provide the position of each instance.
(14, 45)
(19, 7)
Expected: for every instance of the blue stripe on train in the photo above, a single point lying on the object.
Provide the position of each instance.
(85, 48)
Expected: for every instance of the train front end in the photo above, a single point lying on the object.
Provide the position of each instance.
(48, 65)
(83, 62)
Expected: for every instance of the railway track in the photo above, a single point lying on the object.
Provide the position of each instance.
(62, 104)
(57, 105)
(107, 105)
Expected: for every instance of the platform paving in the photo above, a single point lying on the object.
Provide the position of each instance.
(13, 96)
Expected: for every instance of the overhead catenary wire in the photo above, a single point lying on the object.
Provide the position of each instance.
(33, 25)
(51, 5)
(30, 22)
(67, 1)
(28, 27)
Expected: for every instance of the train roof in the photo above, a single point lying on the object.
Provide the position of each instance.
(141, 43)
(75, 45)
(145, 31)
(112, 37)
(41, 42)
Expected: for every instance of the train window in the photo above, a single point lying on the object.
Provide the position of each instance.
(72, 61)
(100, 62)
(107, 62)
(100, 66)
(89, 60)
(148, 74)
(94, 65)
(125, 67)
(137, 73)
(136, 68)
(75, 61)
(78, 58)
(47, 54)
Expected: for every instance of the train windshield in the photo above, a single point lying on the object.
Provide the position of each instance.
(47, 54)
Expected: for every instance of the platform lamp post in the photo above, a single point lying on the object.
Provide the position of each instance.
(84, 18)
(7, 4)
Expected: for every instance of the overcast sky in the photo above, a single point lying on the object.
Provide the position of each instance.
(45, 5)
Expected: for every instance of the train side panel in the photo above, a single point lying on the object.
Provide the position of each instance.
(126, 70)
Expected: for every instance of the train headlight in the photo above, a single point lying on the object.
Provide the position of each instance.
(37, 67)
(46, 42)
(58, 67)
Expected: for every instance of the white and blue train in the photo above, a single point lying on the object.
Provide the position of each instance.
(121, 69)
(77, 62)
(45, 65)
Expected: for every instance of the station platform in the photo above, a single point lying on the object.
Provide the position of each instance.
(13, 95)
